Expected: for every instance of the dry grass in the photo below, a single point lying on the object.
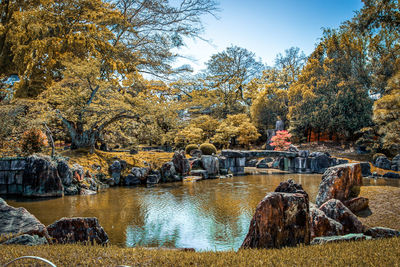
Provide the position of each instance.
(384, 205)
(383, 252)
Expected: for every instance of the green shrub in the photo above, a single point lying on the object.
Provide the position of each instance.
(190, 147)
(377, 155)
(208, 149)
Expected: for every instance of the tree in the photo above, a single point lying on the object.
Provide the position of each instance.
(87, 104)
(226, 75)
(37, 37)
(387, 116)
(331, 94)
(236, 129)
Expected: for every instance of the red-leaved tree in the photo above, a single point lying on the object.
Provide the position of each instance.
(281, 141)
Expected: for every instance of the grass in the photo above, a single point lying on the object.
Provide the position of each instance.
(382, 252)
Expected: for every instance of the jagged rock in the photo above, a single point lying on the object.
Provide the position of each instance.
(196, 164)
(383, 163)
(87, 192)
(41, 179)
(64, 172)
(140, 173)
(19, 221)
(202, 173)
(337, 211)
(115, 171)
(365, 169)
(79, 229)
(382, 232)
(168, 172)
(339, 182)
(131, 179)
(356, 204)
(319, 162)
(27, 240)
(196, 153)
(396, 163)
(181, 163)
(154, 177)
(71, 190)
(322, 225)
(333, 239)
(290, 186)
(210, 164)
(392, 175)
(281, 219)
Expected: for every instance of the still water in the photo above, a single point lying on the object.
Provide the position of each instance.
(205, 215)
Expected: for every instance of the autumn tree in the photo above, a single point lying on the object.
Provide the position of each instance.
(234, 130)
(331, 94)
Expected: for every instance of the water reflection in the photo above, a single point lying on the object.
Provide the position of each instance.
(205, 215)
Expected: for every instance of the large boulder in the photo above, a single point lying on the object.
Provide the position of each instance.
(334, 239)
(339, 182)
(322, 225)
(79, 229)
(381, 232)
(365, 169)
(396, 163)
(281, 219)
(211, 164)
(64, 172)
(319, 162)
(41, 179)
(181, 163)
(356, 204)
(19, 221)
(337, 211)
(153, 178)
(131, 179)
(253, 163)
(290, 186)
(383, 163)
(140, 173)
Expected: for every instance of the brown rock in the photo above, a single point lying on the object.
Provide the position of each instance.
(339, 183)
(382, 232)
(337, 211)
(322, 225)
(290, 186)
(19, 221)
(281, 219)
(73, 230)
(356, 204)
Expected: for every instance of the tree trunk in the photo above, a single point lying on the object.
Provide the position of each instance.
(85, 139)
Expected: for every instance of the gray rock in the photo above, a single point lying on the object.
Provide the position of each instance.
(232, 153)
(365, 169)
(41, 179)
(333, 239)
(211, 164)
(262, 163)
(396, 163)
(65, 172)
(27, 240)
(383, 163)
(131, 179)
(322, 225)
(202, 173)
(181, 163)
(140, 173)
(115, 171)
(19, 221)
(87, 192)
(279, 125)
(381, 232)
(154, 177)
(304, 153)
(320, 163)
(392, 175)
(71, 190)
(251, 163)
(196, 153)
(223, 164)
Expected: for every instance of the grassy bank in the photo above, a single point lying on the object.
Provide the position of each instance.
(383, 252)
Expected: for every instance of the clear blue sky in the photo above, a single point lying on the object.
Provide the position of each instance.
(268, 27)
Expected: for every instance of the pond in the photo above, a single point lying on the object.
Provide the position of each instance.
(205, 215)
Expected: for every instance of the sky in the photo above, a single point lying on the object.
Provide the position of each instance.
(267, 27)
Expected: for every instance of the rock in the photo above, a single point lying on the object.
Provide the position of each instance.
(131, 179)
(71, 190)
(77, 172)
(196, 164)
(168, 172)
(27, 240)
(290, 186)
(304, 153)
(252, 163)
(281, 219)
(293, 148)
(223, 171)
(196, 153)
(356, 204)
(19, 221)
(140, 173)
(232, 153)
(262, 163)
(339, 182)
(320, 162)
(41, 179)
(115, 171)
(392, 175)
(210, 164)
(87, 192)
(223, 163)
(365, 169)
(78, 229)
(181, 163)
(123, 163)
(133, 152)
(333, 239)
(202, 173)
(64, 172)
(300, 164)
(154, 177)
(383, 163)
(381, 232)
(396, 163)
(322, 225)
(279, 125)
(337, 211)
